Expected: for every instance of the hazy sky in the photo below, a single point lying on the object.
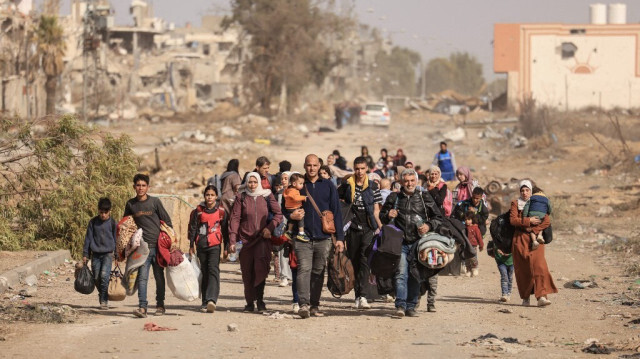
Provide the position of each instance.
(434, 28)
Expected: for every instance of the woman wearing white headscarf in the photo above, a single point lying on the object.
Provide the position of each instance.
(254, 216)
(530, 266)
(437, 188)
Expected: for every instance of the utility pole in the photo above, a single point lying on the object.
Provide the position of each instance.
(94, 21)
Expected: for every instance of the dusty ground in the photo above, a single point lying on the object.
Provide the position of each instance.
(10, 260)
(467, 307)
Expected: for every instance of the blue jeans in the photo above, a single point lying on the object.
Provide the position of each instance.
(143, 278)
(506, 278)
(407, 287)
(101, 267)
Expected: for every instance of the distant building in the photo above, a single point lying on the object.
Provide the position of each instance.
(572, 66)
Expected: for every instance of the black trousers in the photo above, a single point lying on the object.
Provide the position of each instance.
(357, 243)
(210, 267)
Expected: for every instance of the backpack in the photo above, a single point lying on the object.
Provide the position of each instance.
(340, 275)
(448, 201)
(502, 232)
(384, 251)
(216, 181)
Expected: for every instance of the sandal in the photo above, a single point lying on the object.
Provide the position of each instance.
(140, 312)
(159, 311)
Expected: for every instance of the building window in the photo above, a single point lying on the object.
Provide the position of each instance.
(568, 50)
(225, 46)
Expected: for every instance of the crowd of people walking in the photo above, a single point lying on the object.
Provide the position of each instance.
(363, 196)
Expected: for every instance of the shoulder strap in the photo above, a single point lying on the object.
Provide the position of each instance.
(312, 201)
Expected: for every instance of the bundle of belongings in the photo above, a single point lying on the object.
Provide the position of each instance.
(434, 251)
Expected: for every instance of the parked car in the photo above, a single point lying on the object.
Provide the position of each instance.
(375, 113)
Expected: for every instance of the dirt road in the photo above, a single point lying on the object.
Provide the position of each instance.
(467, 307)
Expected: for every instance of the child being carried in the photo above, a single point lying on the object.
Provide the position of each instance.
(292, 201)
(538, 206)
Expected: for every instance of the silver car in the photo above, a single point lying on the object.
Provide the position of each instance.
(375, 113)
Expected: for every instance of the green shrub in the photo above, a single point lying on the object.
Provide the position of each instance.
(55, 170)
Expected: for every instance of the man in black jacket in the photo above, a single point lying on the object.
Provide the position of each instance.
(415, 213)
(364, 200)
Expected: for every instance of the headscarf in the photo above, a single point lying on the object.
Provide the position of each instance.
(434, 168)
(259, 190)
(374, 177)
(521, 201)
(465, 188)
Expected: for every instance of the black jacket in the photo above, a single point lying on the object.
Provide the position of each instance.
(419, 204)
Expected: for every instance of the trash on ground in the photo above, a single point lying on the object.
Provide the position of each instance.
(153, 327)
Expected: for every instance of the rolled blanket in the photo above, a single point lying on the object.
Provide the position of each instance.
(435, 250)
(134, 243)
(435, 240)
(125, 230)
(134, 262)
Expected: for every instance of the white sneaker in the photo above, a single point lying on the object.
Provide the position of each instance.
(504, 299)
(534, 245)
(296, 308)
(474, 272)
(543, 302)
(467, 273)
(364, 304)
(284, 282)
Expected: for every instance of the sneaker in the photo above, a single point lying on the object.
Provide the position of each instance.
(211, 306)
(357, 305)
(283, 283)
(296, 308)
(540, 239)
(399, 312)
(159, 311)
(203, 309)
(526, 302)
(104, 305)
(504, 298)
(431, 308)
(474, 272)
(543, 302)
(467, 273)
(411, 313)
(388, 298)
(364, 304)
(289, 235)
(315, 312)
(304, 311)
(261, 307)
(302, 237)
(534, 245)
(140, 312)
(249, 308)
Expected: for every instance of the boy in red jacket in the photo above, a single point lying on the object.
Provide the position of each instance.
(475, 238)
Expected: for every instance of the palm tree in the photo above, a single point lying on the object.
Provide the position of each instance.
(49, 37)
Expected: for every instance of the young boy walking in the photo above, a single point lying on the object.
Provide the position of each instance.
(505, 267)
(147, 212)
(99, 245)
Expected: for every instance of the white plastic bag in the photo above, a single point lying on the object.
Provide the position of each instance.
(195, 264)
(183, 281)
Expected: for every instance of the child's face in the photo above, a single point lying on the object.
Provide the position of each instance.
(461, 177)
(210, 198)
(324, 174)
(299, 184)
(141, 188)
(468, 221)
(104, 215)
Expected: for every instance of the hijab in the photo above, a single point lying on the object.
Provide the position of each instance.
(432, 169)
(259, 191)
(465, 188)
(522, 201)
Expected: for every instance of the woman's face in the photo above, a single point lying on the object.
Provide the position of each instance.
(285, 180)
(324, 174)
(252, 184)
(365, 152)
(383, 154)
(525, 193)
(461, 177)
(434, 175)
(331, 160)
(210, 198)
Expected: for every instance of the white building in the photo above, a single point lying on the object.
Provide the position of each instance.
(572, 66)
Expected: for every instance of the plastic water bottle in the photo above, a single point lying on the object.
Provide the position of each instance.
(234, 256)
